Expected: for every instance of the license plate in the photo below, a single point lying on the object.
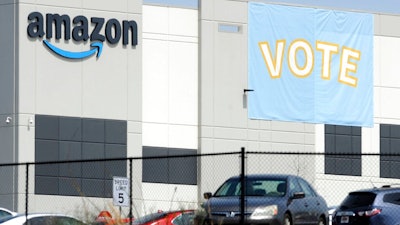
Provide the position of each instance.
(344, 219)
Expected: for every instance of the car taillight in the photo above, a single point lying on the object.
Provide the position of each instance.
(369, 213)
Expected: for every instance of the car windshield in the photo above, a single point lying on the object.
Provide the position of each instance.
(358, 199)
(5, 218)
(262, 186)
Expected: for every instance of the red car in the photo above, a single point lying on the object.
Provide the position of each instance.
(182, 217)
(105, 218)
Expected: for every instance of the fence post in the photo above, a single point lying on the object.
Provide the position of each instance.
(130, 191)
(242, 186)
(26, 190)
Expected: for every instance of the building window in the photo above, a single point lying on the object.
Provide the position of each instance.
(164, 166)
(389, 147)
(70, 138)
(343, 148)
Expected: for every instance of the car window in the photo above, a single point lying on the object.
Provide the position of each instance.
(254, 187)
(294, 186)
(308, 191)
(4, 213)
(5, 218)
(186, 218)
(53, 220)
(228, 188)
(37, 221)
(358, 199)
(393, 198)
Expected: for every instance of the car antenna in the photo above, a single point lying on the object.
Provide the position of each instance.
(172, 199)
(373, 185)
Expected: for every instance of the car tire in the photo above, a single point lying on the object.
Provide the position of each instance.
(321, 221)
(287, 220)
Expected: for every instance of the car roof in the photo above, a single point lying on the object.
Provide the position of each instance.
(376, 190)
(7, 210)
(267, 175)
(31, 215)
(42, 214)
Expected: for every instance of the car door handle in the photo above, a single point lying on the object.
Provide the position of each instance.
(305, 204)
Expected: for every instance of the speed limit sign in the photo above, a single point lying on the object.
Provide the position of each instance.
(121, 191)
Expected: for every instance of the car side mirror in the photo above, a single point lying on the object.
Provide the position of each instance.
(298, 195)
(207, 195)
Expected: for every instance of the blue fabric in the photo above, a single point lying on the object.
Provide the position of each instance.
(289, 47)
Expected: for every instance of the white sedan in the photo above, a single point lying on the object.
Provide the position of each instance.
(40, 219)
(6, 212)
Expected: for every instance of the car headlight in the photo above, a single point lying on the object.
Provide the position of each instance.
(264, 212)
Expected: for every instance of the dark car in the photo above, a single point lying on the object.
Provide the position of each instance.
(272, 199)
(375, 206)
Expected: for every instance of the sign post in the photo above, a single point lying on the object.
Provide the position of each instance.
(121, 191)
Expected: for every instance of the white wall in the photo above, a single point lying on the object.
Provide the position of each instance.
(170, 73)
(108, 87)
(170, 93)
(96, 88)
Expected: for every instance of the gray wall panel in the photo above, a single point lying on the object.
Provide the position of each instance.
(155, 170)
(93, 130)
(69, 145)
(70, 151)
(171, 170)
(47, 127)
(115, 167)
(108, 189)
(46, 185)
(70, 186)
(182, 170)
(384, 130)
(385, 25)
(46, 151)
(91, 187)
(343, 140)
(115, 132)
(70, 129)
(395, 131)
(93, 169)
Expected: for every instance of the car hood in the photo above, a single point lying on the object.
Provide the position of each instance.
(228, 204)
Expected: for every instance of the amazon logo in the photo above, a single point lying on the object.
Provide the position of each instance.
(81, 30)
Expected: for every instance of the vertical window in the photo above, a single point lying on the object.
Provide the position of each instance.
(343, 148)
(389, 148)
(308, 191)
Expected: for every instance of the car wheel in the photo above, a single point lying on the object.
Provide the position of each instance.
(321, 221)
(287, 219)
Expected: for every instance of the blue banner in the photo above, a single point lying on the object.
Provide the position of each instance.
(310, 65)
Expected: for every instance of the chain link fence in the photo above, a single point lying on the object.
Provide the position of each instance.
(84, 188)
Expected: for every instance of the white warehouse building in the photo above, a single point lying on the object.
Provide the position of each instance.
(90, 79)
